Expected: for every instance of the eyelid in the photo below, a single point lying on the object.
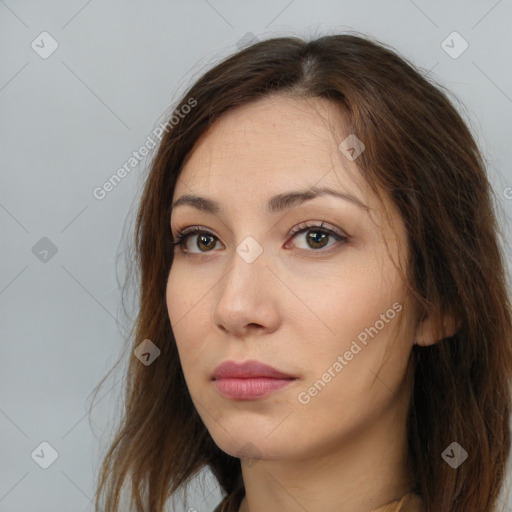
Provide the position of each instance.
(322, 226)
(196, 228)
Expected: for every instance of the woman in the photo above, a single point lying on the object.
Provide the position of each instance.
(323, 283)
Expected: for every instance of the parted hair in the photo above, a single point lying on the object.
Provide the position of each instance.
(422, 154)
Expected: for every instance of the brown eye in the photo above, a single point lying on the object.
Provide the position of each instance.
(204, 240)
(317, 239)
(318, 236)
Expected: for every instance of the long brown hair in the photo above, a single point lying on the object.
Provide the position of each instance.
(420, 151)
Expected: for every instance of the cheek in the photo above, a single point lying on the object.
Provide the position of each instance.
(351, 383)
(189, 287)
(173, 298)
(183, 298)
(178, 292)
(354, 333)
(339, 303)
(184, 310)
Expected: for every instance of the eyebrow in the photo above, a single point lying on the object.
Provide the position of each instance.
(277, 203)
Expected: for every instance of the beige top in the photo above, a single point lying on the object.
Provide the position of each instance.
(409, 502)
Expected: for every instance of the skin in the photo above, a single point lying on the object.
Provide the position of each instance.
(296, 307)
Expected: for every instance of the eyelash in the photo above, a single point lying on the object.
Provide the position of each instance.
(183, 235)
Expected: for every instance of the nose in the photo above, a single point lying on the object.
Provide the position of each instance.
(244, 304)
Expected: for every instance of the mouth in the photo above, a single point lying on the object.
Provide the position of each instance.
(249, 389)
(249, 380)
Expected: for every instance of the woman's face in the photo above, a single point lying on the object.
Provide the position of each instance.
(324, 308)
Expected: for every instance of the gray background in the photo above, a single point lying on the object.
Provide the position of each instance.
(70, 120)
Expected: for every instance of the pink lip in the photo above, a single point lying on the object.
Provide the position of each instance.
(249, 369)
(249, 380)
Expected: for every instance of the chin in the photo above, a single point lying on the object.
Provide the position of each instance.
(246, 444)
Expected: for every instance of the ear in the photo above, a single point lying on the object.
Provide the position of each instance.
(425, 333)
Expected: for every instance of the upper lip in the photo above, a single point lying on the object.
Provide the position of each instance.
(248, 369)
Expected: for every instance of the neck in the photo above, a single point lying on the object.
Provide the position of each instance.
(359, 474)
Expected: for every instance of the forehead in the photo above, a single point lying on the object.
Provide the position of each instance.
(271, 143)
(276, 145)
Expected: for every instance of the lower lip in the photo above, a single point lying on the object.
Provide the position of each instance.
(247, 389)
